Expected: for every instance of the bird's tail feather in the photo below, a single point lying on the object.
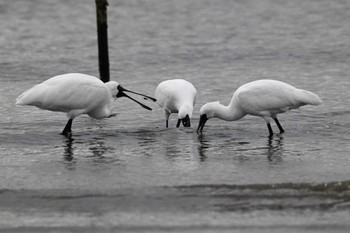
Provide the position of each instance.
(308, 97)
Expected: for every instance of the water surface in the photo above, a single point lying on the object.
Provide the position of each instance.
(129, 173)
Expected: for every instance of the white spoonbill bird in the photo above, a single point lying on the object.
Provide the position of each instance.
(76, 94)
(264, 98)
(176, 96)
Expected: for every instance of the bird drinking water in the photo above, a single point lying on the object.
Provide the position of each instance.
(176, 96)
(264, 98)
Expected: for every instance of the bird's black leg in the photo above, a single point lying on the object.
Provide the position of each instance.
(270, 129)
(167, 114)
(178, 123)
(68, 128)
(279, 125)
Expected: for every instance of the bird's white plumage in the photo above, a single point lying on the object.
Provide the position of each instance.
(77, 94)
(74, 94)
(264, 98)
(176, 96)
(270, 97)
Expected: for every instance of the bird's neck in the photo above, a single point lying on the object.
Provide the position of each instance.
(229, 113)
(185, 109)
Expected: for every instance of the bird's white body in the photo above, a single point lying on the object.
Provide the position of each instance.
(264, 98)
(74, 94)
(176, 96)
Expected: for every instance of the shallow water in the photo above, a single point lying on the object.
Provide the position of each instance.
(129, 173)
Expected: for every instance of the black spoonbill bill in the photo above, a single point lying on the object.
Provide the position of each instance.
(264, 98)
(76, 94)
(176, 96)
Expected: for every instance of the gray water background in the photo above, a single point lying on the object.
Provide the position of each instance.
(129, 173)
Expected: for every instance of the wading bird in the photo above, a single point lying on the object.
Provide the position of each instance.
(176, 96)
(264, 98)
(76, 94)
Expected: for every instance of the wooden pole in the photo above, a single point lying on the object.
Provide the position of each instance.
(102, 37)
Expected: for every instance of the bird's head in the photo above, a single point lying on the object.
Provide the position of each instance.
(206, 112)
(185, 115)
(113, 88)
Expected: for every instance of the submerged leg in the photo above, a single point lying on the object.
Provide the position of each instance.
(267, 119)
(166, 123)
(270, 129)
(279, 125)
(68, 128)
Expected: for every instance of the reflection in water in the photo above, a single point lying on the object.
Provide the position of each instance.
(68, 148)
(275, 149)
(69, 152)
(99, 149)
(172, 150)
(96, 146)
(243, 150)
(173, 147)
(203, 147)
(147, 141)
